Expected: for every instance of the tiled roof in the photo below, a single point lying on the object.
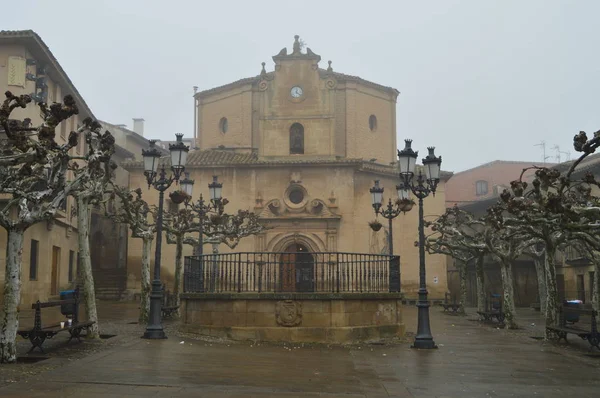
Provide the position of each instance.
(586, 164)
(42, 52)
(498, 162)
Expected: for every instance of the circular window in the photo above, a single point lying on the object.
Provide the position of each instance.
(296, 196)
(372, 122)
(223, 125)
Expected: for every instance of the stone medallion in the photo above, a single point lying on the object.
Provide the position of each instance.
(288, 312)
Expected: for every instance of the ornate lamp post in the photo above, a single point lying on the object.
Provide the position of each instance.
(216, 204)
(401, 205)
(421, 187)
(160, 181)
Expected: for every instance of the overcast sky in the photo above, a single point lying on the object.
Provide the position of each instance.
(480, 80)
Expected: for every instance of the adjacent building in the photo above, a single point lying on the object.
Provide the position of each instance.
(50, 260)
(27, 66)
(486, 181)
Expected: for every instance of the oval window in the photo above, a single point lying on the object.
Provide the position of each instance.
(372, 122)
(223, 125)
(296, 196)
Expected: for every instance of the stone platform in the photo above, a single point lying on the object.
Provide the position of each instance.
(294, 317)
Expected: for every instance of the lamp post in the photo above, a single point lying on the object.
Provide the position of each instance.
(401, 205)
(160, 181)
(421, 187)
(216, 205)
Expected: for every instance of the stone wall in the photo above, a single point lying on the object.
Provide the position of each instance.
(309, 318)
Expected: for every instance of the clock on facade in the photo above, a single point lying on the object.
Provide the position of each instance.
(296, 92)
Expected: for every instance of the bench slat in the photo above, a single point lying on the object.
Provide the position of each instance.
(53, 303)
(570, 330)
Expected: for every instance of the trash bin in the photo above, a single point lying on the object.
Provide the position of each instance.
(572, 317)
(67, 309)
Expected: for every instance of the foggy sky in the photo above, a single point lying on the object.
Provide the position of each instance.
(480, 80)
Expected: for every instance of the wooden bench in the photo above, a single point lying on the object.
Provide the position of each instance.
(450, 306)
(493, 309)
(39, 333)
(169, 307)
(569, 316)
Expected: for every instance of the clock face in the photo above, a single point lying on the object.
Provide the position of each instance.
(296, 92)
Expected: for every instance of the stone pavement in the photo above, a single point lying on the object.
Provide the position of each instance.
(473, 361)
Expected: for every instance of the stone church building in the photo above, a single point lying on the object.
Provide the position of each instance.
(301, 146)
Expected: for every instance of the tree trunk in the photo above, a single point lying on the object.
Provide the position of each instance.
(596, 283)
(87, 278)
(508, 304)
(480, 284)
(146, 287)
(12, 296)
(462, 274)
(540, 270)
(178, 268)
(552, 302)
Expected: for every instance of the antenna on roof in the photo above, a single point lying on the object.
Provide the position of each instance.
(558, 152)
(543, 145)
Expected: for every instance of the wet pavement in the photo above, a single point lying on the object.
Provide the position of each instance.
(473, 360)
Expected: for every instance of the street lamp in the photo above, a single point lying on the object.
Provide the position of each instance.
(160, 181)
(401, 205)
(421, 187)
(216, 205)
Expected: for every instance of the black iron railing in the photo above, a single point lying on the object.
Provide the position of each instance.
(292, 272)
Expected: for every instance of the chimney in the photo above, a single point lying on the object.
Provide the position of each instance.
(123, 126)
(138, 126)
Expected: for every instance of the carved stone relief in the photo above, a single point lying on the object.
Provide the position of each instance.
(288, 313)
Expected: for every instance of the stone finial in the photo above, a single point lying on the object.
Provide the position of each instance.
(329, 68)
(263, 72)
(296, 45)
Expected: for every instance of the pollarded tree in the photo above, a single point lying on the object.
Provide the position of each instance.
(555, 211)
(177, 225)
(231, 228)
(506, 243)
(458, 234)
(96, 179)
(132, 210)
(33, 173)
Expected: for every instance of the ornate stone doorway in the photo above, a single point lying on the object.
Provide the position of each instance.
(297, 267)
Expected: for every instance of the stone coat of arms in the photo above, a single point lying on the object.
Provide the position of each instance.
(289, 313)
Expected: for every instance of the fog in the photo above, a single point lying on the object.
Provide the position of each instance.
(480, 80)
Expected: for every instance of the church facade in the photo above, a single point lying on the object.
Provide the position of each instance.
(301, 146)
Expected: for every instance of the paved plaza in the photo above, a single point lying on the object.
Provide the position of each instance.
(473, 360)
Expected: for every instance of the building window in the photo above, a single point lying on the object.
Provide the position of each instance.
(372, 122)
(223, 125)
(71, 264)
(481, 188)
(33, 260)
(78, 265)
(296, 139)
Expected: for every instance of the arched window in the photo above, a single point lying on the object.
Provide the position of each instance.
(223, 125)
(372, 123)
(296, 139)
